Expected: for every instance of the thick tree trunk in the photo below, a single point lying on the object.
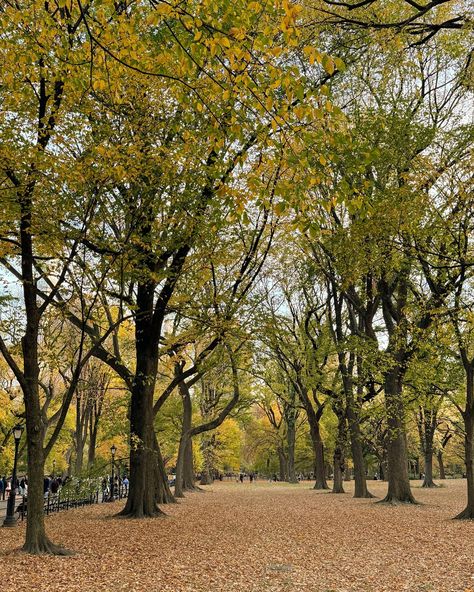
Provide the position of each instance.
(468, 416)
(319, 464)
(188, 470)
(399, 490)
(439, 456)
(184, 441)
(142, 501)
(318, 448)
(283, 464)
(179, 482)
(428, 479)
(36, 540)
(360, 480)
(468, 512)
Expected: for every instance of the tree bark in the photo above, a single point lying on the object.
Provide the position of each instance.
(291, 440)
(283, 463)
(468, 416)
(184, 463)
(141, 500)
(339, 457)
(427, 421)
(428, 479)
(360, 480)
(82, 419)
(188, 472)
(36, 541)
(399, 490)
(93, 427)
(439, 456)
(316, 440)
(318, 447)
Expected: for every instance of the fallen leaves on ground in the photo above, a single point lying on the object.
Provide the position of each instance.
(256, 538)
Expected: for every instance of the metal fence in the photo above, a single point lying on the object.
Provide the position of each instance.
(57, 502)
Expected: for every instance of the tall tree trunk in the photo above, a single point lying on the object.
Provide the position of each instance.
(93, 425)
(316, 440)
(427, 421)
(428, 479)
(36, 541)
(319, 464)
(141, 500)
(360, 480)
(339, 457)
(95, 414)
(283, 472)
(188, 469)
(291, 440)
(399, 490)
(80, 435)
(183, 449)
(468, 416)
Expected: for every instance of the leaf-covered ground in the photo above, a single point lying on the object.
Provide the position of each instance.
(263, 537)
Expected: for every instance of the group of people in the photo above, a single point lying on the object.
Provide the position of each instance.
(52, 485)
(252, 477)
(120, 484)
(21, 486)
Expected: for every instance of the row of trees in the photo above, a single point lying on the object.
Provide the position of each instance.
(207, 196)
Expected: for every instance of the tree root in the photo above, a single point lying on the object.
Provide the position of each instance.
(140, 513)
(391, 500)
(366, 495)
(466, 514)
(46, 547)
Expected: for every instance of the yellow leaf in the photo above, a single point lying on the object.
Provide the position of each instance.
(164, 9)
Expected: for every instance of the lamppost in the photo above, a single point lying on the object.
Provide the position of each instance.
(54, 468)
(113, 450)
(10, 519)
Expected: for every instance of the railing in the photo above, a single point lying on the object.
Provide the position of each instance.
(57, 502)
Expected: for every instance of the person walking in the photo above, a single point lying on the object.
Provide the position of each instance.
(125, 483)
(4, 491)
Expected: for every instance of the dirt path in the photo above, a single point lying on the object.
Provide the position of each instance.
(257, 538)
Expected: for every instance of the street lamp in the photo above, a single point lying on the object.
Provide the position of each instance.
(10, 519)
(54, 469)
(113, 450)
